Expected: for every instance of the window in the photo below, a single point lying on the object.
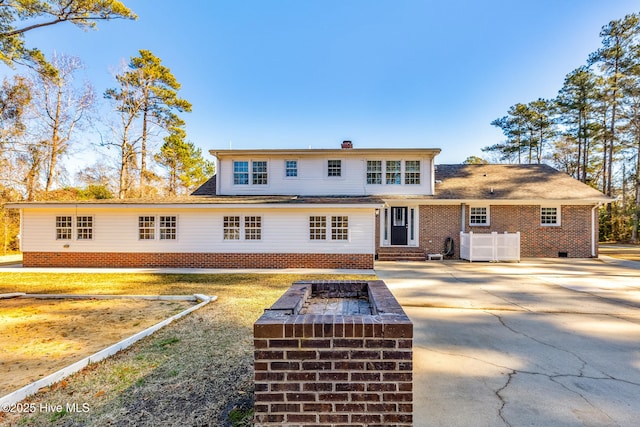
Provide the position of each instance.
(334, 167)
(412, 172)
(241, 173)
(259, 173)
(253, 228)
(231, 228)
(549, 216)
(479, 216)
(374, 171)
(84, 227)
(318, 228)
(146, 227)
(339, 228)
(168, 227)
(63, 228)
(291, 168)
(393, 172)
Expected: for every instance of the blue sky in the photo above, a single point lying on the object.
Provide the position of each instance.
(300, 73)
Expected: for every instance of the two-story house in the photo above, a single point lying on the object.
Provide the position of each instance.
(318, 208)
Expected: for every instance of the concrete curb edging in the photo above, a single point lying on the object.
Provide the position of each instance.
(33, 388)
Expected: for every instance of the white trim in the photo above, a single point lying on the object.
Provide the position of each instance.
(386, 225)
(558, 209)
(487, 214)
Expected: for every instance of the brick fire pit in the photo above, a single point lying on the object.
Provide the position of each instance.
(334, 352)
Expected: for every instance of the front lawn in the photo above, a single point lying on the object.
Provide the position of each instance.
(196, 371)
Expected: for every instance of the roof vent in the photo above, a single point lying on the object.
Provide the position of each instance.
(346, 145)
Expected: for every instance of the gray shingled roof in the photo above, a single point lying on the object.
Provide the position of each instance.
(206, 189)
(510, 182)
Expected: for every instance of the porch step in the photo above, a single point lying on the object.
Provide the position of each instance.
(401, 254)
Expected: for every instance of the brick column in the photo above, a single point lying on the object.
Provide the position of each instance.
(352, 370)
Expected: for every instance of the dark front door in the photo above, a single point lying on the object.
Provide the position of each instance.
(399, 226)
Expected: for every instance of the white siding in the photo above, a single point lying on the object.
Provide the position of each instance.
(312, 179)
(284, 230)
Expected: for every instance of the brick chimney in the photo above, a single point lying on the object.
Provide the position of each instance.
(346, 145)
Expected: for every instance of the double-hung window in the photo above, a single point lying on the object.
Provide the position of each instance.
(63, 228)
(253, 228)
(162, 227)
(291, 168)
(234, 227)
(231, 228)
(240, 172)
(549, 216)
(259, 173)
(320, 228)
(374, 171)
(334, 168)
(146, 227)
(168, 227)
(479, 216)
(84, 227)
(412, 172)
(339, 228)
(393, 172)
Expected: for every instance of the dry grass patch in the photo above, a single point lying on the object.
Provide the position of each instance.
(43, 336)
(197, 371)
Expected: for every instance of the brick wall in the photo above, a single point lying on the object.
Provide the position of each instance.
(325, 370)
(196, 260)
(573, 236)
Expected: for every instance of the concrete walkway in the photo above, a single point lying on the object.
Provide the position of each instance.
(536, 343)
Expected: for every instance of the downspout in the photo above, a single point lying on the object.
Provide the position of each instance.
(21, 235)
(463, 215)
(218, 171)
(594, 236)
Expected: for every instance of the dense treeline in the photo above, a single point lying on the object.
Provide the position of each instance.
(591, 130)
(48, 117)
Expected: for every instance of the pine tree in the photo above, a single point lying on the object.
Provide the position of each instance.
(186, 168)
(157, 91)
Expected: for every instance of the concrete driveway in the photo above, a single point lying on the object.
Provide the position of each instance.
(536, 343)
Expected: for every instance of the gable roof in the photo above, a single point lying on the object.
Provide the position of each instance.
(510, 182)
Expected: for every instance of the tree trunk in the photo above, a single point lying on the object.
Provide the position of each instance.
(143, 153)
(636, 211)
(55, 142)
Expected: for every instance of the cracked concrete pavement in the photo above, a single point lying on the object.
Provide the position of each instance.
(544, 342)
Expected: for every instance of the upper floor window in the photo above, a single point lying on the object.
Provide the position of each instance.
(549, 216)
(393, 172)
(259, 173)
(63, 228)
(374, 171)
(334, 167)
(240, 172)
(479, 216)
(412, 172)
(84, 227)
(291, 168)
